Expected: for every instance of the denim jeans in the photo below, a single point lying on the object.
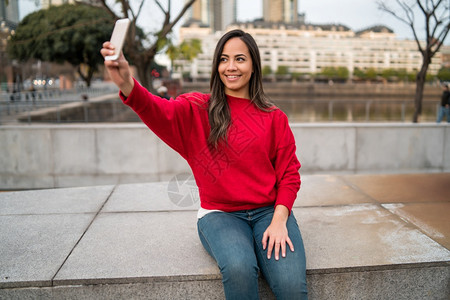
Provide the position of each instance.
(443, 111)
(234, 240)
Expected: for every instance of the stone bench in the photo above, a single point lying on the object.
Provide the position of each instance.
(363, 240)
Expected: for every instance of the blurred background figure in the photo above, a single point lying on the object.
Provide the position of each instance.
(162, 92)
(444, 109)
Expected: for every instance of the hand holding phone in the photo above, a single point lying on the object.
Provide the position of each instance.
(118, 37)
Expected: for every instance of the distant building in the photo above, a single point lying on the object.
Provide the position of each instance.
(9, 14)
(217, 14)
(48, 3)
(9, 19)
(308, 49)
(285, 11)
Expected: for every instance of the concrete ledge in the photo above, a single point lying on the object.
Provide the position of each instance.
(49, 156)
(366, 237)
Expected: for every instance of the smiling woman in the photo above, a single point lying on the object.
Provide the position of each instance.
(242, 153)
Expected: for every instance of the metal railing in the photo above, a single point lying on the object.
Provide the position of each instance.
(16, 104)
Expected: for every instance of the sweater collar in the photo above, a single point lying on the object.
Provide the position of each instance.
(232, 98)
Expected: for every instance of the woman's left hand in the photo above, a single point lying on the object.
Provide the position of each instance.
(276, 235)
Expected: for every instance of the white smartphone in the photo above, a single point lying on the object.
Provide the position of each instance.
(118, 37)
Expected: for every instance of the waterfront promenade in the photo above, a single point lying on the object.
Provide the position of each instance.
(384, 236)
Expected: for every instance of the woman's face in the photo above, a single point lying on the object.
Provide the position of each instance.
(235, 68)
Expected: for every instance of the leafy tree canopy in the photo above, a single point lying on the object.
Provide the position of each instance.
(444, 74)
(72, 33)
(266, 70)
(282, 70)
(337, 73)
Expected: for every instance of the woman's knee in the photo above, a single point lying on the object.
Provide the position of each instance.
(290, 287)
(239, 268)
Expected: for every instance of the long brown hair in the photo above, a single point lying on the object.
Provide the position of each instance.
(218, 109)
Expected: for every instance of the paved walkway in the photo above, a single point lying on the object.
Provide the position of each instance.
(366, 237)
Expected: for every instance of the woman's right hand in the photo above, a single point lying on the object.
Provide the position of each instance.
(118, 70)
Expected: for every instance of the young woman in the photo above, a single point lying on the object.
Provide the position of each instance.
(242, 154)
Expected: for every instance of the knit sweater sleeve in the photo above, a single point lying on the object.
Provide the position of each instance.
(168, 119)
(286, 165)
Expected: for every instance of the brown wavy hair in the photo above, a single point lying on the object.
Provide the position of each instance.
(218, 109)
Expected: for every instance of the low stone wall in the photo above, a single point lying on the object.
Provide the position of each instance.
(49, 156)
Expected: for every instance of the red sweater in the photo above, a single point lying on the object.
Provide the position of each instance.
(259, 166)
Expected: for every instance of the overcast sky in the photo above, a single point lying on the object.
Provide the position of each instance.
(356, 14)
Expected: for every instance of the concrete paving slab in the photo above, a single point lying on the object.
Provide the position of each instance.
(431, 218)
(391, 188)
(363, 235)
(174, 195)
(129, 247)
(33, 247)
(71, 200)
(322, 190)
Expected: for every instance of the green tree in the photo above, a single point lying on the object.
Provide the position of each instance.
(66, 33)
(436, 17)
(282, 70)
(190, 49)
(187, 50)
(328, 72)
(359, 74)
(444, 74)
(371, 74)
(266, 70)
(402, 74)
(389, 74)
(174, 53)
(342, 73)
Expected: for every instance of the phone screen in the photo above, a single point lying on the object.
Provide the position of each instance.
(118, 37)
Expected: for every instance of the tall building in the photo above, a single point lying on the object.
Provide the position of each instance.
(9, 13)
(285, 11)
(217, 14)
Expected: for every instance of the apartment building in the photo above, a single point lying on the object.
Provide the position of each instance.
(308, 49)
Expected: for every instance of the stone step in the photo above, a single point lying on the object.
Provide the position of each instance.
(139, 241)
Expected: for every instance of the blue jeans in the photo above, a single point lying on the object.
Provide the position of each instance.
(234, 240)
(443, 111)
